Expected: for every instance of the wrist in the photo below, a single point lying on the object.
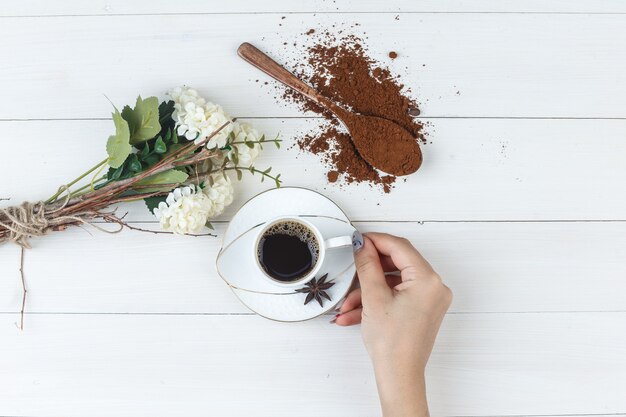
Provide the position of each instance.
(393, 378)
(402, 389)
(398, 360)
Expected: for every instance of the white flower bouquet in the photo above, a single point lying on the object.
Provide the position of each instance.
(176, 156)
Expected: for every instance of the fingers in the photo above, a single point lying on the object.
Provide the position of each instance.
(349, 318)
(374, 287)
(387, 263)
(352, 301)
(402, 254)
(393, 280)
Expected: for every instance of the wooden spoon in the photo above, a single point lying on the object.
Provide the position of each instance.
(384, 144)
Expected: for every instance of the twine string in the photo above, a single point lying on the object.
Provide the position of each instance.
(30, 220)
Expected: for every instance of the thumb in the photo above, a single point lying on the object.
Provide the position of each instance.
(370, 271)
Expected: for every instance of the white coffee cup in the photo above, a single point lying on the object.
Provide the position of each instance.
(323, 244)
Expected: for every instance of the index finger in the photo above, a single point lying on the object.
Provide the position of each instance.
(370, 272)
(400, 250)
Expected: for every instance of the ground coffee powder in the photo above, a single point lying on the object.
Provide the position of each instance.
(340, 69)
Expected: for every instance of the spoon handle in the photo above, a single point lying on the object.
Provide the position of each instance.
(266, 64)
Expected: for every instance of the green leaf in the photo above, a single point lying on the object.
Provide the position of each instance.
(151, 159)
(145, 151)
(118, 146)
(166, 109)
(239, 174)
(209, 226)
(173, 148)
(159, 146)
(153, 202)
(233, 156)
(174, 136)
(168, 135)
(172, 176)
(249, 145)
(114, 174)
(143, 120)
(133, 163)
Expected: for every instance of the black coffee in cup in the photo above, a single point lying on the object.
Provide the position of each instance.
(288, 251)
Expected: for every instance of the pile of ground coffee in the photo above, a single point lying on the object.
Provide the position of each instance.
(340, 69)
(338, 152)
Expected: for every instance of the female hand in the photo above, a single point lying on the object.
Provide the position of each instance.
(400, 317)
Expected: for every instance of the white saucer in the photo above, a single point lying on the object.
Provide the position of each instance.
(237, 266)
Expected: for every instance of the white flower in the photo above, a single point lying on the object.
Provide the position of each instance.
(196, 118)
(245, 155)
(220, 193)
(184, 211)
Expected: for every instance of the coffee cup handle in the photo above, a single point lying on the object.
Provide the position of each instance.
(338, 242)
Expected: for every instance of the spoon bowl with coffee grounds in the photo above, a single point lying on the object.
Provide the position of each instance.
(384, 144)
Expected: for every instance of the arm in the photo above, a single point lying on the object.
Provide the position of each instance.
(400, 317)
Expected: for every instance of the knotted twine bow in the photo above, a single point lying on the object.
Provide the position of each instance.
(31, 220)
(37, 219)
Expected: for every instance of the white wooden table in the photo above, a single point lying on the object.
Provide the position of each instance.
(520, 205)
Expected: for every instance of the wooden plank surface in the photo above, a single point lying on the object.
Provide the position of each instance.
(129, 365)
(520, 205)
(492, 267)
(512, 65)
(473, 170)
(116, 7)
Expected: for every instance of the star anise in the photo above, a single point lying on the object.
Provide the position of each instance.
(316, 289)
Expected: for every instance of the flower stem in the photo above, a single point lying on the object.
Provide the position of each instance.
(104, 196)
(241, 142)
(252, 170)
(84, 187)
(68, 185)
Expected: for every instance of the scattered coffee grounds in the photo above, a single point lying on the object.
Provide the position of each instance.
(393, 54)
(310, 32)
(340, 69)
(337, 150)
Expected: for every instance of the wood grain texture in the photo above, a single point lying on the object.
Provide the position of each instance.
(520, 205)
(115, 7)
(491, 267)
(473, 169)
(512, 65)
(511, 364)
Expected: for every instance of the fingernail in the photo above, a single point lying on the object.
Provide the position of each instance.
(339, 305)
(335, 319)
(357, 240)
